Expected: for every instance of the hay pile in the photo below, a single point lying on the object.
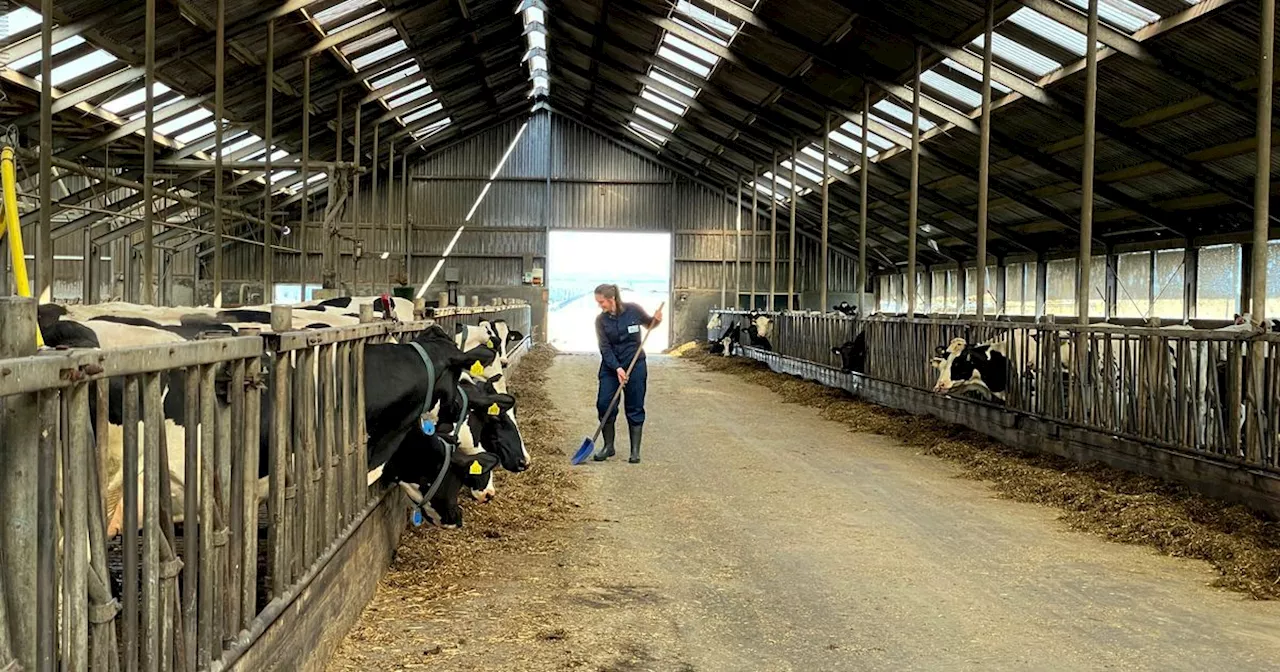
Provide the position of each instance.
(1243, 546)
(433, 564)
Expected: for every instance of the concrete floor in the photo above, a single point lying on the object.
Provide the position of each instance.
(757, 536)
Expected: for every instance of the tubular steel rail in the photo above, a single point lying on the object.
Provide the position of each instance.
(1174, 387)
(199, 571)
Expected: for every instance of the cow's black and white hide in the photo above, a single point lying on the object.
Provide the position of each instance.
(728, 339)
(853, 354)
(759, 330)
(416, 465)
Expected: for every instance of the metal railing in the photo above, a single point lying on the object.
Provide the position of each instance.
(1175, 387)
(201, 566)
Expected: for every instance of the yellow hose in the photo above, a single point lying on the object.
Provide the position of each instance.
(9, 182)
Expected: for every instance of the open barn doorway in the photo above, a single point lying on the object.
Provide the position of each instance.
(639, 263)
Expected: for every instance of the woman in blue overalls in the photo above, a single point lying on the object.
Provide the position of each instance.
(618, 331)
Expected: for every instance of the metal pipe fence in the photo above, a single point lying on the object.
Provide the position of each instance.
(162, 543)
(1178, 387)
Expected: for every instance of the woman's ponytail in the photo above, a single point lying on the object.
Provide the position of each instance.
(609, 291)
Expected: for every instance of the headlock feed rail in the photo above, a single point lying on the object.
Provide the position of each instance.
(211, 554)
(1185, 392)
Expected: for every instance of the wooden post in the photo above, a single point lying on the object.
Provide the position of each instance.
(1111, 287)
(278, 460)
(1261, 219)
(1042, 284)
(44, 238)
(1190, 278)
(1002, 271)
(791, 242)
(724, 252)
(219, 86)
(149, 160)
(913, 205)
(754, 242)
(737, 251)
(1085, 257)
(19, 471)
(268, 232)
(864, 159)
(304, 236)
(826, 210)
(773, 235)
(984, 158)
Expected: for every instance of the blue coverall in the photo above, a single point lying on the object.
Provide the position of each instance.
(619, 336)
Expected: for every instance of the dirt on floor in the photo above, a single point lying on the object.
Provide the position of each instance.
(783, 526)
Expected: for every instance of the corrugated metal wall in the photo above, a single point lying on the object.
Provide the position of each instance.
(596, 184)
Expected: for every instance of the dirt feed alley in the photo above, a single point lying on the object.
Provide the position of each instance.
(764, 534)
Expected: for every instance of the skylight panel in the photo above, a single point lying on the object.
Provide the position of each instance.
(417, 92)
(1123, 14)
(815, 152)
(673, 82)
(421, 112)
(1050, 30)
(58, 47)
(19, 20)
(722, 41)
(432, 129)
(279, 154)
(379, 54)
(87, 63)
(196, 133)
(850, 135)
(662, 101)
(535, 56)
(160, 103)
(963, 95)
(689, 48)
(396, 75)
(649, 135)
(278, 175)
(805, 171)
(784, 185)
(705, 19)
(684, 61)
(355, 22)
(1017, 55)
(884, 107)
(240, 143)
(368, 41)
(134, 98)
(183, 120)
(975, 77)
(345, 8)
(655, 119)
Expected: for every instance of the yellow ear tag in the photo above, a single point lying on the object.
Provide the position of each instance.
(494, 410)
(477, 369)
(476, 468)
(489, 344)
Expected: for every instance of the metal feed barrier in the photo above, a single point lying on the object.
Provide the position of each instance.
(1177, 388)
(191, 586)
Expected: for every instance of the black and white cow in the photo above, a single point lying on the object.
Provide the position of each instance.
(420, 460)
(853, 354)
(759, 329)
(985, 370)
(844, 308)
(727, 340)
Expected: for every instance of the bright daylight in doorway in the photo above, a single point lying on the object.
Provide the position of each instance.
(639, 263)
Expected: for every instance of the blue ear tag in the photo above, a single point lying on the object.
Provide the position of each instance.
(428, 427)
(416, 518)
